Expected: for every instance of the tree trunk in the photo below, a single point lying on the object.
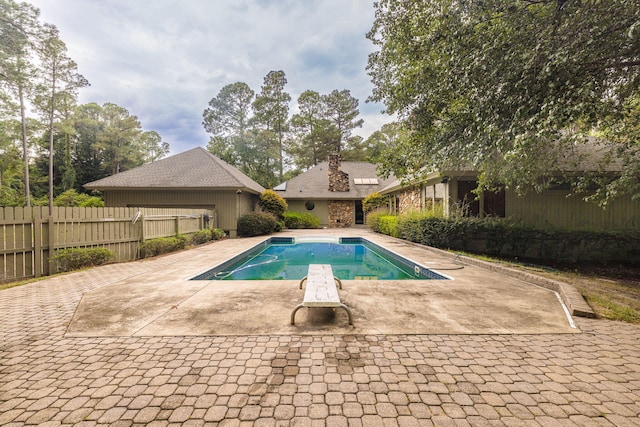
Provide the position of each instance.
(25, 148)
(51, 117)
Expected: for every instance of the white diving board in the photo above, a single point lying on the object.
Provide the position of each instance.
(321, 290)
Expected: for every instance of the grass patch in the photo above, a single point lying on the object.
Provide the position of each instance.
(613, 292)
(9, 285)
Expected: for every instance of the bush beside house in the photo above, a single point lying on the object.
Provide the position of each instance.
(497, 237)
(273, 203)
(257, 224)
(301, 220)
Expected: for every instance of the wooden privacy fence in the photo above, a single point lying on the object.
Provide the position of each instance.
(29, 236)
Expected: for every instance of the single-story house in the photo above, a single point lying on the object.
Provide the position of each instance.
(553, 207)
(192, 179)
(416, 196)
(332, 191)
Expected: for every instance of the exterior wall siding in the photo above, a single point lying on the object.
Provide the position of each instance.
(555, 209)
(228, 205)
(320, 209)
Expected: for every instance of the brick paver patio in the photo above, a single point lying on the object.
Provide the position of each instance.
(586, 379)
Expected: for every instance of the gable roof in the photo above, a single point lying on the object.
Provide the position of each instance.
(193, 169)
(314, 183)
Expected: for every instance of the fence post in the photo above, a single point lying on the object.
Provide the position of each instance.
(36, 223)
(177, 225)
(142, 229)
(52, 245)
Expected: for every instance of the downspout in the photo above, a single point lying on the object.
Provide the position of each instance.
(235, 232)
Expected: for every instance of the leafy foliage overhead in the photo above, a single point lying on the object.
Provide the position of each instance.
(512, 88)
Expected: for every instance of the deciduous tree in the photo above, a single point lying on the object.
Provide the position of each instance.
(227, 119)
(509, 87)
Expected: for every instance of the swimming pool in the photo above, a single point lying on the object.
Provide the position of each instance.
(288, 258)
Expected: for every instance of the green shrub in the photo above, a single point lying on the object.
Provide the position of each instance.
(388, 224)
(92, 202)
(383, 223)
(76, 258)
(256, 224)
(162, 245)
(499, 237)
(217, 234)
(10, 197)
(301, 220)
(372, 220)
(200, 237)
(271, 202)
(73, 198)
(374, 201)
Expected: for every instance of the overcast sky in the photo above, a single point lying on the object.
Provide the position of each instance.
(163, 60)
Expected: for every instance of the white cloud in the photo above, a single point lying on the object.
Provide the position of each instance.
(164, 60)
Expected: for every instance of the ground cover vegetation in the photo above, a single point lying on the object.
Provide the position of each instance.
(49, 143)
(513, 89)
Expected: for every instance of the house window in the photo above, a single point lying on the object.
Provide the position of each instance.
(494, 204)
(309, 205)
(467, 199)
(491, 203)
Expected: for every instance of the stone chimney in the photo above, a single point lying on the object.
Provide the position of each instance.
(338, 180)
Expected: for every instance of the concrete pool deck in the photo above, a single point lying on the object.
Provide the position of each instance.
(50, 378)
(165, 302)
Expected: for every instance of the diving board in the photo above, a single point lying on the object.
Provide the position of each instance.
(321, 290)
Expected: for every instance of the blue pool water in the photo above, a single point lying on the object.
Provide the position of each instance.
(289, 258)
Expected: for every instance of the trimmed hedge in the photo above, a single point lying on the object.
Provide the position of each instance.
(162, 245)
(206, 235)
(301, 220)
(256, 224)
(77, 258)
(383, 223)
(501, 238)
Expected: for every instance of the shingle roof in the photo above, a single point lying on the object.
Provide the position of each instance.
(314, 183)
(193, 169)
